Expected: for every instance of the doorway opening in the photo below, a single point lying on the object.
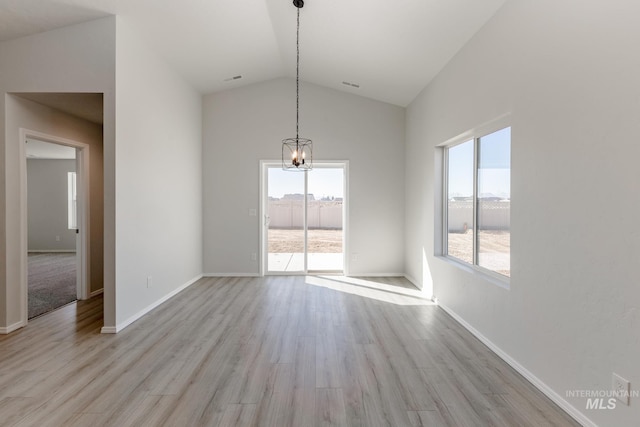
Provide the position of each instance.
(51, 226)
(304, 228)
(55, 172)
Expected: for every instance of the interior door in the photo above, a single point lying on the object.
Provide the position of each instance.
(82, 223)
(48, 147)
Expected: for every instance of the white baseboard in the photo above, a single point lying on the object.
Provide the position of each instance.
(7, 330)
(120, 326)
(61, 251)
(96, 293)
(231, 275)
(538, 383)
(365, 274)
(302, 274)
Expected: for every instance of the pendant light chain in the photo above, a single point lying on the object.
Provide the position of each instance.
(298, 76)
(297, 153)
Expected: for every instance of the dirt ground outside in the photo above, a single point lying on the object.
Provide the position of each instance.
(292, 241)
(494, 246)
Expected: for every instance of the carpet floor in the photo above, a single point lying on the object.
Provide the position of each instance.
(52, 281)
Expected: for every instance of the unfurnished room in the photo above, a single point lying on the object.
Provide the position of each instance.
(319, 213)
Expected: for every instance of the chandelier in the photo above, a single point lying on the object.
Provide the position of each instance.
(297, 153)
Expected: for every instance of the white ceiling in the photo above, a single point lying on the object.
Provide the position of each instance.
(391, 48)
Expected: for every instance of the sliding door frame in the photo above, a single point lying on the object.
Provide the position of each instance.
(263, 216)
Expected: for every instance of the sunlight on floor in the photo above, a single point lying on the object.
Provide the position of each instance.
(380, 290)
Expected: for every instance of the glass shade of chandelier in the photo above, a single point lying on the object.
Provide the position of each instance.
(297, 153)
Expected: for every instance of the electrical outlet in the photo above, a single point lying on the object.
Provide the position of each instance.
(57, 238)
(253, 212)
(254, 256)
(354, 256)
(149, 281)
(621, 388)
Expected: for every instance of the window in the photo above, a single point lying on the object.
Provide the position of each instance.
(477, 211)
(72, 201)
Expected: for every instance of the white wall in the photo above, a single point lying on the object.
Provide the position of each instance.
(244, 125)
(568, 73)
(79, 58)
(48, 225)
(158, 178)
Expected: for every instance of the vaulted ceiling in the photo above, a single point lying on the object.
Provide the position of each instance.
(390, 48)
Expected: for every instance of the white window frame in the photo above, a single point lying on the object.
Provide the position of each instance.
(442, 246)
(72, 201)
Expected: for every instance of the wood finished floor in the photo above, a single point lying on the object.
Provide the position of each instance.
(274, 351)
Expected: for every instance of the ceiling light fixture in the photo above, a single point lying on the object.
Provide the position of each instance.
(297, 153)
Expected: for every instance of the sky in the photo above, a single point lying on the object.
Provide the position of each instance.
(323, 182)
(494, 166)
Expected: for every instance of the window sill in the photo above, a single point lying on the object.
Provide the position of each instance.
(499, 280)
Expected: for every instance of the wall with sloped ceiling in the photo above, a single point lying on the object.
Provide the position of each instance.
(567, 72)
(245, 125)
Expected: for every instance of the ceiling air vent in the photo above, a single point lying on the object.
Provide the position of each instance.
(351, 84)
(230, 79)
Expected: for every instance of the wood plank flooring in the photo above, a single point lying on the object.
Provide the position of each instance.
(273, 351)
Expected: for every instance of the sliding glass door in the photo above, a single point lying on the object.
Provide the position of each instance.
(325, 214)
(285, 221)
(304, 219)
